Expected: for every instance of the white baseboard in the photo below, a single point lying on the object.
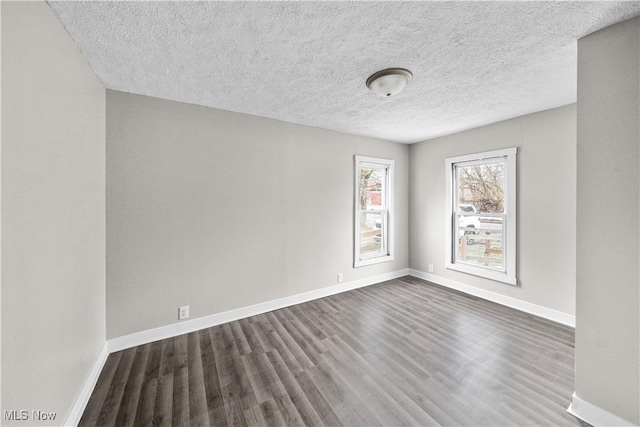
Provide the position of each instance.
(175, 329)
(595, 415)
(78, 407)
(184, 327)
(527, 307)
(144, 337)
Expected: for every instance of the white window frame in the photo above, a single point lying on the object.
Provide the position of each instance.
(388, 219)
(509, 275)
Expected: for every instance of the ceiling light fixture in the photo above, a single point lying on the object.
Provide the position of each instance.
(389, 82)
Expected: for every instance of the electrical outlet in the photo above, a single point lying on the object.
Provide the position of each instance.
(183, 312)
(430, 268)
(340, 278)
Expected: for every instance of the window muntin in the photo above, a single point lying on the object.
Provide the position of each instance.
(373, 218)
(481, 214)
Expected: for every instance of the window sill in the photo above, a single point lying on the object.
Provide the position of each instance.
(371, 261)
(484, 273)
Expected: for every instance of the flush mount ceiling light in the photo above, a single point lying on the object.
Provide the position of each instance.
(389, 82)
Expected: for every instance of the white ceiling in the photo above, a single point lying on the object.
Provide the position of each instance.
(473, 63)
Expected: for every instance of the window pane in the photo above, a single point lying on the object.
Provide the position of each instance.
(371, 183)
(373, 211)
(481, 187)
(480, 241)
(371, 234)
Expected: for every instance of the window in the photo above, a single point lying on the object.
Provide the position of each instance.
(481, 214)
(373, 211)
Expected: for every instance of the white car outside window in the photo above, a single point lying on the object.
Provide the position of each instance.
(469, 225)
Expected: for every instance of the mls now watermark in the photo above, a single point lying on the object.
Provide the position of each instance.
(24, 415)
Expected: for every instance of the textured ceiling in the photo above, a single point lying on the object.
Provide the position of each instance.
(473, 63)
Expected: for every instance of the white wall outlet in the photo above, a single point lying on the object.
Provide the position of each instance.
(183, 312)
(430, 268)
(340, 278)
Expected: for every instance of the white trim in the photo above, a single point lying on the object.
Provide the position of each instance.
(388, 190)
(498, 276)
(527, 307)
(594, 415)
(121, 343)
(485, 155)
(79, 405)
(175, 329)
(374, 260)
(509, 276)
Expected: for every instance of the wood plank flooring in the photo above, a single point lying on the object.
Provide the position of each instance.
(403, 352)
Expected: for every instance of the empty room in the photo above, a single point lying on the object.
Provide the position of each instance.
(320, 213)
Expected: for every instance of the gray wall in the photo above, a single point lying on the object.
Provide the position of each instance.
(220, 210)
(608, 277)
(53, 213)
(546, 194)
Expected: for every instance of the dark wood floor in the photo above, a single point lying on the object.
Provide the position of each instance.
(403, 352)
